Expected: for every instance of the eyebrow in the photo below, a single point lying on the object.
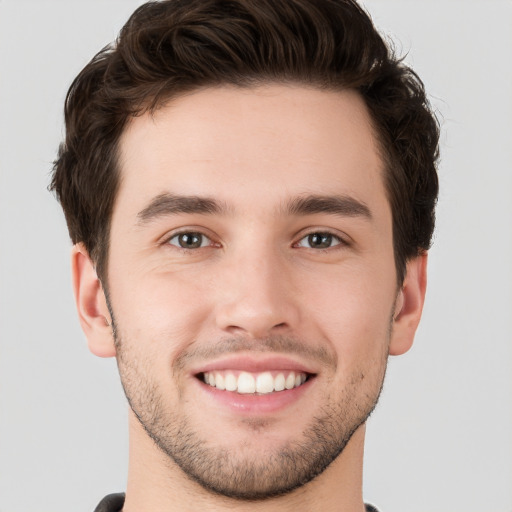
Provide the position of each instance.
(170, 204)
(344, 206)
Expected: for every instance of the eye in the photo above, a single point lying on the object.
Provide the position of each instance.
(319, 241)
(190, 240)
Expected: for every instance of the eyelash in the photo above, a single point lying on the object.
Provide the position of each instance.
(323, 234)
(339, 241)
(192, 233)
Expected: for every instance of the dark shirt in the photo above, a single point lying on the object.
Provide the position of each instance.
(111, 503)
(114, 503)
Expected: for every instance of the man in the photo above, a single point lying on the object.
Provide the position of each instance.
(250, 187)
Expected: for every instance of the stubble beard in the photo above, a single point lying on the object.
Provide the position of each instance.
(228, 471)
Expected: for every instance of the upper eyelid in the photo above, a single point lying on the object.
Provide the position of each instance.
(188, 232)
(180, 231)
(342, 237)
(205, 239)
(174, 235)
(338, 239)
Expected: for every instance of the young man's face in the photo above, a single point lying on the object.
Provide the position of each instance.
(251, 247)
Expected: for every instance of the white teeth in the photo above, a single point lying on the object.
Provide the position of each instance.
(230, 382)
(279, 382)
(264, 383)
(248, 383)
(219, 381)
(290, 381)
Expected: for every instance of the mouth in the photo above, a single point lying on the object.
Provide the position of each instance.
(257, 383)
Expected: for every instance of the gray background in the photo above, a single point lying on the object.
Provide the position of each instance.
(441, 439)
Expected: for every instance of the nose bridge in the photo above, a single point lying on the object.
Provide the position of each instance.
(257, 296)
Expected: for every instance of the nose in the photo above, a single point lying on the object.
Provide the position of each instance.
(257, 297)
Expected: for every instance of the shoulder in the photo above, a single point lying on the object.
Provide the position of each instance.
(111, 503)
(114, 503)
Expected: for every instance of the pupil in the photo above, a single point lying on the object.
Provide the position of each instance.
(190, 240)
(320, 240)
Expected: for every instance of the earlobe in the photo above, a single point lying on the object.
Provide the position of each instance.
(409, 305)
(91, 304)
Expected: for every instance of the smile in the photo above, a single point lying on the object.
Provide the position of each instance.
(254, 383)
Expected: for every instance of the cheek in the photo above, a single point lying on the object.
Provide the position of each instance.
(161, 312)
(354, 314)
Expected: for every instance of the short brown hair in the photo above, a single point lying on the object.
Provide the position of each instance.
(174, 46)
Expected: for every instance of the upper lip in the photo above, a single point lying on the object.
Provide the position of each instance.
(253, 364)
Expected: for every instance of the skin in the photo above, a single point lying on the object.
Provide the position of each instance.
(256, 291)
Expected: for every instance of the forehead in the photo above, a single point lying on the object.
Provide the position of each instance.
(252, 146)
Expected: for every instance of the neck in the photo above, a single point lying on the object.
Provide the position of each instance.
(156, 483)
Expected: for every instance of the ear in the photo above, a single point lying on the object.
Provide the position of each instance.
(409, 305)
(91, 304)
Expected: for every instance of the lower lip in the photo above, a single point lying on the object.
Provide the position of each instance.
(256, 404)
